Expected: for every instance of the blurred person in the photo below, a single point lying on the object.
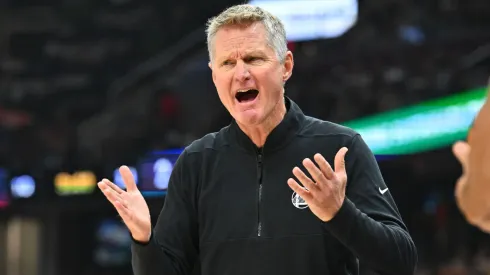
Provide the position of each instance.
(473, 187)
(260, 196)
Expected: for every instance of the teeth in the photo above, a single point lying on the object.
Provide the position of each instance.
(242, 91)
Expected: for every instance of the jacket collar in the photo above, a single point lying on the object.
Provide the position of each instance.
(280, 136)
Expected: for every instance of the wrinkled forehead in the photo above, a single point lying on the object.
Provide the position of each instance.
(240, 39)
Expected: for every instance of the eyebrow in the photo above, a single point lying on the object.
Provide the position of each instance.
(247, 54)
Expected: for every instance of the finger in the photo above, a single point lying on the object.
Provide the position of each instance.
(304, 179)
(112, 195)
(462, 152)
(106, 189)
(114, 187)
(123, 212)
(324, 166)
(128, 178)
(119, 204)
(340, 160)
(315, 172)
(302, 192)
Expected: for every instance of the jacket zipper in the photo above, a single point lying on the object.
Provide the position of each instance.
(259, 191)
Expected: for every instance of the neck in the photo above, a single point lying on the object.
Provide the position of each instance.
(259, 133)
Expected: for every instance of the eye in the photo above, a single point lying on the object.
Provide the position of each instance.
(227, 63)
(252, 59)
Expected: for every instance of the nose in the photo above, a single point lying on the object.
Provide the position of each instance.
(242, 72)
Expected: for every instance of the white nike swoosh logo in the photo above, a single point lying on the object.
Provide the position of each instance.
(382, 191)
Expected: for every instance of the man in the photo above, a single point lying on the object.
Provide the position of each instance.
(234, 202)
(473, 187)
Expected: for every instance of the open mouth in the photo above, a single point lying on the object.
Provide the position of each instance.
(246, 95)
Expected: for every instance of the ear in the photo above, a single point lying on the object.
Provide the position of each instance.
(288, 66)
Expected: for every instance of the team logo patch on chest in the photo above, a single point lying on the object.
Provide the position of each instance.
(298, 201)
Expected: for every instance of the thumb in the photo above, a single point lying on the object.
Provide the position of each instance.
(462, 152)
(340, 160)
(128, 178)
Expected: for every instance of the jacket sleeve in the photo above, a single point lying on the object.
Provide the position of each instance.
(173, 246)
(368, 223)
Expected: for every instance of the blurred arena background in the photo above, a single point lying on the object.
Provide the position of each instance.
(89, 85)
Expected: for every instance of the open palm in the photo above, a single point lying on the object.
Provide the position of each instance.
(130, 205)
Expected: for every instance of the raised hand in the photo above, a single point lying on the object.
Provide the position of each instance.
(130, 205)
(325, 192)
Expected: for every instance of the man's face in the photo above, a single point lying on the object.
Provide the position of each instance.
(247, 74)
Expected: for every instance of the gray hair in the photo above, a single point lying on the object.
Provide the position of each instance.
(246, 14)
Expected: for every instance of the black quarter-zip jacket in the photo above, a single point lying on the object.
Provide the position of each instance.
(229, 209)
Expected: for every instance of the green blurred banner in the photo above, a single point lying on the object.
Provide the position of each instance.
(426, 126)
